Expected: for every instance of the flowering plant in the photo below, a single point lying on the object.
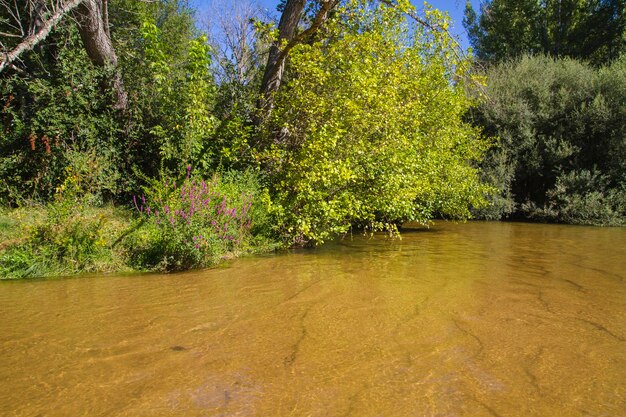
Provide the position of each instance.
(192, 224)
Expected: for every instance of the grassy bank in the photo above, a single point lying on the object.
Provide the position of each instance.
(40, 241)
(195, 223)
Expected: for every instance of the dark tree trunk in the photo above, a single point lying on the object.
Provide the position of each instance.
(286, 33)
(94, 34)
(92, 25)
(287, 39)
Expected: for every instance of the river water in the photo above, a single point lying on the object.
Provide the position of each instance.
(476, 319)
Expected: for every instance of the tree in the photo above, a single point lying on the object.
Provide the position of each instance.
(57, 106)
(588, 29)
(371, 128)
(562, 153)
(31, 30)
(91, 17)
(287, 39)
(504, 28)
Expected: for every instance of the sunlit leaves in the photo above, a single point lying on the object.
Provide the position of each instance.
(369, 131)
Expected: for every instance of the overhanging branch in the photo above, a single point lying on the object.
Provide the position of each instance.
(31, 41)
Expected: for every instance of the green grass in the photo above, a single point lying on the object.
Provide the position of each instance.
(52, 241)
(44, 241)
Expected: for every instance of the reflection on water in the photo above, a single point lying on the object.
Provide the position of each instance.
(477, 319)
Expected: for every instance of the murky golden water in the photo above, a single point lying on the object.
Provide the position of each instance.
(478, 319)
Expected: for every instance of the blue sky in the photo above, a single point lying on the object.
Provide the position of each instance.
(454, 8)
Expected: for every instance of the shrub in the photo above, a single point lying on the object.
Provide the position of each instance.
(368, 130)
(56, 115)
(560, 122)
(72, 237)
(197, 222)
(582, 197)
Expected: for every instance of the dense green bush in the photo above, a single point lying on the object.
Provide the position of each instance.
(58, 109)
(174, 227)
(55, 116)
(582, 197)
(368, 130)
(71, 236)
(560, 123)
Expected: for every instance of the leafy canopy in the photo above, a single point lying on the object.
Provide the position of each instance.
(562, 130)
(592, 30)
(368, 131)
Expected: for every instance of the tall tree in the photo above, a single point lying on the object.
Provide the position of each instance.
(23, 26)
(92, 18)
(371, 127)
(586, 29)
(288, 38)
(41, 17)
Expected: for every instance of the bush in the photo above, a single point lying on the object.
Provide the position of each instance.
(560, 122)
(53, 116)
(368, 130)
(582, 197)
(198, 222)
(70, 237)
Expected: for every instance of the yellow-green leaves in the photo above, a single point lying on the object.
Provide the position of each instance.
(185, 95)
(371, 129)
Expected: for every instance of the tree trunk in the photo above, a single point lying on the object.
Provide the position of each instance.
(287, 39)
(286, 33)
(92, 25)
(93, 33)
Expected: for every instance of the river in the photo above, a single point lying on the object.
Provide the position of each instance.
(475, 319)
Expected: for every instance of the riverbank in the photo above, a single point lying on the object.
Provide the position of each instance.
(46, 241)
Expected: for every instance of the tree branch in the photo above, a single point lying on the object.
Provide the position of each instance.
(431, 27)
(276, 60)
(320, 18)
(31, 41)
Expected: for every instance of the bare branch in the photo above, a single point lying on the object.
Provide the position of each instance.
(458, 51)
(10, 35)
(31, 41)
(232, 36)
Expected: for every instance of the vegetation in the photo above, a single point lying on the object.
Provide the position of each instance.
(198, 222)
(554, 96)
(370, 130)
(67, 236)
(562, 153)
(591, 30)
(162, 148)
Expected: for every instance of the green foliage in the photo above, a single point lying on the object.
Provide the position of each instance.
(582, 197)
(198, 222)
(56, 115)
(183, 100)
(72, 237)
(57, 109)
(560, 122)
(587, 29)
(368, 130)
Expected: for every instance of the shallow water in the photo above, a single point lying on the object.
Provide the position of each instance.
(477, 319)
